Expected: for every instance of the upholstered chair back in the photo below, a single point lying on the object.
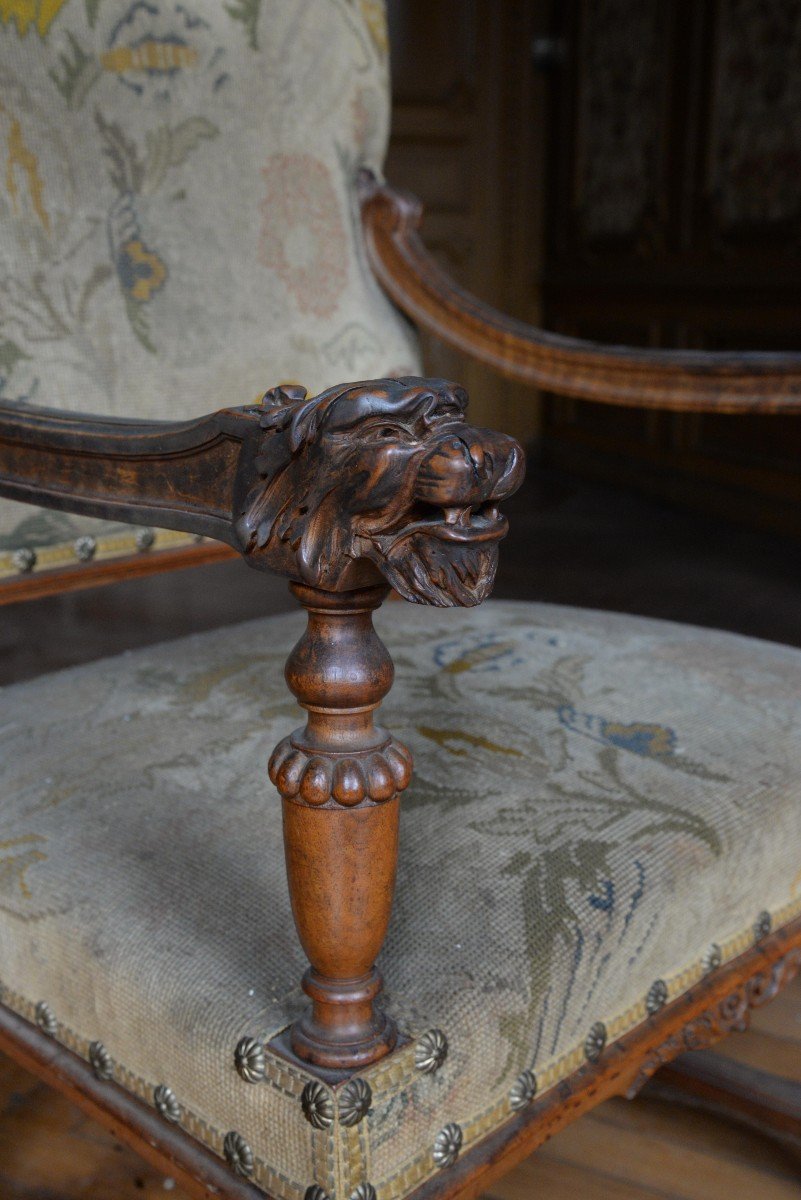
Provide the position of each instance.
(179, 227)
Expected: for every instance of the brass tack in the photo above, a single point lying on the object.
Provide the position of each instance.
(101, 1060)
(318, 1107)
(712, 958)
(595, 1042)
(657, 997)
(523, 1090)
(166, 1103)
(354, 1102)
(238, 1154)
(249, 1059)
(46, 1019)
(762, 925)
(431, 1051)
(85, 548)
(447, 1145)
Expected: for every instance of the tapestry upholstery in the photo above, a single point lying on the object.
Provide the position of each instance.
(178, 222)
(600, 803)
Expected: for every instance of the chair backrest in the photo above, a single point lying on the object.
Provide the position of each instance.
(179, 222)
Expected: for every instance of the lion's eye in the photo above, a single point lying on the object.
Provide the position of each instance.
(389, 433)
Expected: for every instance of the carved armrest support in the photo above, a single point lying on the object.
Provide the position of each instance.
(682, 380)
(364, 486)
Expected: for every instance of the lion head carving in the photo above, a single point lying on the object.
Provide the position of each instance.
(387, 472)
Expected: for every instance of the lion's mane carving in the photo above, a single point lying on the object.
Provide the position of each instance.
(387, 471)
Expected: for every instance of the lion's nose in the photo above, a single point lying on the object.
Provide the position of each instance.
(448, 470)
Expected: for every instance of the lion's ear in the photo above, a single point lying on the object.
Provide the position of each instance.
(307, 418)
(304, 425)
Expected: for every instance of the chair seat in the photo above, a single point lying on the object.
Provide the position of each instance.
(601, 802)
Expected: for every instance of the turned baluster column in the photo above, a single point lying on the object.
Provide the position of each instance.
(340, 777)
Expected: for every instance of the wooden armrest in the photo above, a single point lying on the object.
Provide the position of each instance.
(701, 381)
(366, 482)
(177, 475)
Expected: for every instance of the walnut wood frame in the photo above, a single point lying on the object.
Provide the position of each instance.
(101, 574)
(718, 1005)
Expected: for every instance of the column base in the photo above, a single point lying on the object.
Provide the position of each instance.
(343, 1032)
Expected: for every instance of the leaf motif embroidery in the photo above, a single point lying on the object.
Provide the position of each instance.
(246, 11)
(168, 147)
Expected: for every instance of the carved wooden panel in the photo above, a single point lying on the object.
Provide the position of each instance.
(693, 115)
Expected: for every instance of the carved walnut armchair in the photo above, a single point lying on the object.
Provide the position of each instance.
(599, 849)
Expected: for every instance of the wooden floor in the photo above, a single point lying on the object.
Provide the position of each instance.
(640, 1150)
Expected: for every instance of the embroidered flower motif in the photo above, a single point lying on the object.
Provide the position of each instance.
(24, 13)
(156, 49)
(141, 271)
(303, 237)
(638, 737)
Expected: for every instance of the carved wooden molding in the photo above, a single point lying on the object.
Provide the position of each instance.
(340, 777)
(730, 1015)
(701, 381)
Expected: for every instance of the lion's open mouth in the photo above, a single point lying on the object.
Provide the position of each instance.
(464, 523)
(445, 555)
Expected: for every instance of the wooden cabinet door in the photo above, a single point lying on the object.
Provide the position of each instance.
(673, 218)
